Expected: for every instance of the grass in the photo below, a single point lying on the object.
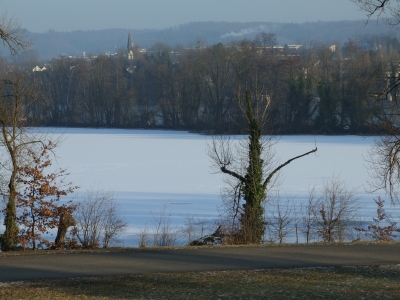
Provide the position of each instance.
(373, 282)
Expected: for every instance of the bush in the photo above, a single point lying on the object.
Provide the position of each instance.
(383, 227)
(97, 220)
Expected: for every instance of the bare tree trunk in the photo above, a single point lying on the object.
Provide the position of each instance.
(66, 221)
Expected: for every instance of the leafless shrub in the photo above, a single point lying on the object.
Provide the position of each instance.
(97, 220)
(280, 219)
(309, 216)
(194, 228)
(356, 234)
(164, 235)
(336, 209)
(143, 238)
(113, 224)
(189, 229)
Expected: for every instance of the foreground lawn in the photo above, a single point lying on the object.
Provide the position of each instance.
(308, 283)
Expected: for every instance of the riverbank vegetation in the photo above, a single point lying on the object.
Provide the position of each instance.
(316, 88)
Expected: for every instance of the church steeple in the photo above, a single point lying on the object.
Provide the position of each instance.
(130, 42)
(130, 47)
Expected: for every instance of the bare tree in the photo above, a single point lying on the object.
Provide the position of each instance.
(16, 96)
(266, 39)
(12, 98)
(12, 36)
(97, 219)
(218, 79)
(388, 8)
(164, 235)
(280, 219)
(246, 169)
(309, 216)
(383, 157)
(113, 224)
(190, 229)
(383, 161)
(337, 207)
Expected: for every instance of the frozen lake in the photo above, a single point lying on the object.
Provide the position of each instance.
(171, 162)
(147, 169)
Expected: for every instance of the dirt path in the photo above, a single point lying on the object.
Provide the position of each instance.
(97, 263)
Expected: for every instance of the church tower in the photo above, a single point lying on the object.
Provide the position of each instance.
(130, 47)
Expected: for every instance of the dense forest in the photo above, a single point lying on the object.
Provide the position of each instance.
(315, 89)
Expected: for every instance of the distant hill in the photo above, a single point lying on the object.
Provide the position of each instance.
(53, 44)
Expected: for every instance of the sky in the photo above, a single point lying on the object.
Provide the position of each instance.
(69, 15)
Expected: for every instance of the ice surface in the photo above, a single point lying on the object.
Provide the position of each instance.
(155, 161)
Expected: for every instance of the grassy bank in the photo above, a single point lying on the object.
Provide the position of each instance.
(372, 282)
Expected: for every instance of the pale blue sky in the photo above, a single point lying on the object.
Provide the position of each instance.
(68, 15)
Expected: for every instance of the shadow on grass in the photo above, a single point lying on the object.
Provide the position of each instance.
(328, 283)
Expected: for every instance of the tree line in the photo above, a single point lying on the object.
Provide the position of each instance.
(316, 89)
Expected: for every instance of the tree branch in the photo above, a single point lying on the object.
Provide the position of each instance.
(232, 173)
(12, 36)
(285, 164)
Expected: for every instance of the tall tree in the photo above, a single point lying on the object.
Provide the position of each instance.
(218, 81)
(14, 38)
(265, 39)
(384, 156)
(251, 170)
(328, 89)
(356, 85)
(190, 88)
(15, 95)
(298, 104)
(164, 70)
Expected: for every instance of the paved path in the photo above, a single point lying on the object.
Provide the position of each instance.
(48, 266)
